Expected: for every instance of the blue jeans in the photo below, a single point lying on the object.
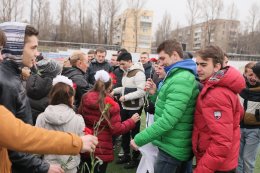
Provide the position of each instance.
(249, 143)
(168, 164)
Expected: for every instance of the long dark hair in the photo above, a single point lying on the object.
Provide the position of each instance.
(102, 87)
(61, 94)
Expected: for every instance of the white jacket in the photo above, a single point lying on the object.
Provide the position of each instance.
(62, 118)
(137, 81)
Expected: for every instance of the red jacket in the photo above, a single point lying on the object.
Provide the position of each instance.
(216, 133)
(89, 109)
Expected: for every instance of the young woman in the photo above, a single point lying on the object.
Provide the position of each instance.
(92, 105)
(60, 116)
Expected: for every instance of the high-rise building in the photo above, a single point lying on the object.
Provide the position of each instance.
(134, 30)
(221, 32)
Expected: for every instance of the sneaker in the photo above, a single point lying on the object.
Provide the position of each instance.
(132, 164)
(123, 159)
(121, 152)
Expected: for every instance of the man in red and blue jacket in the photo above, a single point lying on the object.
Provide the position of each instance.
(216, 133)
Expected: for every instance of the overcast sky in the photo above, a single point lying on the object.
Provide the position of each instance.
(177, 9)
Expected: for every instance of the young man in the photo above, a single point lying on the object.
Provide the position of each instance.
(216, 131)
(132, 93)
(250, 128)
(99, 63)
(148, 66)
(174, 109)
(79, 63)
(20, 50)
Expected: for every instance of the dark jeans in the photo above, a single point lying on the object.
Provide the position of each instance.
(126, 114)
(98, 168)
(165, 163)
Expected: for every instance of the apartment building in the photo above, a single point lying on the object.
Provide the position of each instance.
(134, 30)
(221, 32)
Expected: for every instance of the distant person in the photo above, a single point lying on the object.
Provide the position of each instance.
(2, 43)
(91, 55)
(113, 62)
(225, 60)
(148, 66)
(250, 126)
(100, 63)
(77, 71)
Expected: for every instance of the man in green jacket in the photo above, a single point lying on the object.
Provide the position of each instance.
(174, 109)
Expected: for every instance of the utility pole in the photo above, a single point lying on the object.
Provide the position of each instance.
(31, 16)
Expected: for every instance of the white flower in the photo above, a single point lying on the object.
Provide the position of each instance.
(62, 79)
(102, 75)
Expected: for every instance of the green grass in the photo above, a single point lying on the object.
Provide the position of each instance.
(257, 163)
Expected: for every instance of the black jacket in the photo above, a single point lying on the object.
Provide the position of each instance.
(149, 70)
(119, 75)
(94, 67)
(38, 89)
(78, 77)
(13, 96)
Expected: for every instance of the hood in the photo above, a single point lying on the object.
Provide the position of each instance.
(58, 114)
(15, 33)
(229, 77)
(136, 66)
(187, 64)
(147, 65)
(71, 71)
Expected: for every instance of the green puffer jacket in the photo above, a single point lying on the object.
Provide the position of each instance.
(174, 111)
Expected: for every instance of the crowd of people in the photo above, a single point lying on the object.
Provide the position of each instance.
(57, 118)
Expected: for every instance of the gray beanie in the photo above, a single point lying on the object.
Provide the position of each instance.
(48, 68)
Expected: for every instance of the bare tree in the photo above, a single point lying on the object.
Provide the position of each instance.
(193, 15)
(10, 10)
(135, 6)
(113, 8)
(211, 10)
(100, 24)
(164, 29)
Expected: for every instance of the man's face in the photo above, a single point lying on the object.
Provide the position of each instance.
(144, 58)
(165, 59)
(251, 77)
(206, 68)
(125, 65)
(83, 64)
(91, 57)
(100, 57)
(30, 51)
(114, 61)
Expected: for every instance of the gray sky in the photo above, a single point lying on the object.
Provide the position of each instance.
(177, 9)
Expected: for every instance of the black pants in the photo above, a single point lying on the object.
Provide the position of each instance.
(125, 114)
(98, 168)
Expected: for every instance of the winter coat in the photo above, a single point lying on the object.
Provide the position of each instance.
(94, 67)
(134, 78)
(62, 118)
(78, 77)
(37, 89)
(174, 110)
(216, 133)
(31, 139)
(250, 98)
(89, 109)
(148, 70)
(13, 97)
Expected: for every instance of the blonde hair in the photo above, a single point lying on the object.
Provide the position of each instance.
(77, 55)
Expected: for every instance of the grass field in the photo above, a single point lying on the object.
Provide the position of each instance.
(114, 168)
